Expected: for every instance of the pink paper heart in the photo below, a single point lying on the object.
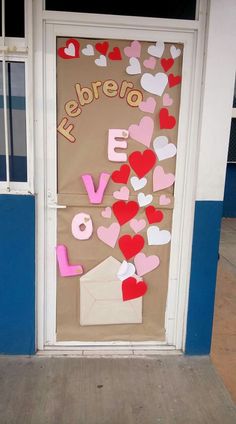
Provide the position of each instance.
(134, 50)
(137, 224)
(164, 200)
(106, 213)
(148, 105)
(109, 235)
(122, 194)
(143, 131)
(167, 100)
(145, 264)
(162, 180)
(150, 63)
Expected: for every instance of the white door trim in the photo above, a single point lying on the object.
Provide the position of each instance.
(48, 25)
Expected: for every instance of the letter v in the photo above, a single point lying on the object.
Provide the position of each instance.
(96, 196)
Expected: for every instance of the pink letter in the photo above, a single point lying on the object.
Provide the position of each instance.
(66, 270)
(95, 196)
(113, 143)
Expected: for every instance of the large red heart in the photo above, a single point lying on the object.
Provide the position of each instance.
(125, 211)
(132, 289)
(173, 80)
(166, 121)
(122, 175)
(142, 162)
(71, 49)
(167, 63)
(130, 246)
(102, 47)
(115, 54)
(153, 215)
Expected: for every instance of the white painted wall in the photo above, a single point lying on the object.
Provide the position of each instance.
(220, 67)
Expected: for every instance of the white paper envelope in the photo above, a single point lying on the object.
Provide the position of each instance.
(101, 297)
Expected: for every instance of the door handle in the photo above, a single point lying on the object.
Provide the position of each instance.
(56, 206)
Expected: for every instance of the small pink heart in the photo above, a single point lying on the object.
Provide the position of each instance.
(109, 235)
(122, 194)
(134, 50)
(167, 100)
(145, 264)
(143, 131)
(137, 225)
(106, 213)
(150, 63)
(162, 180)
(164, 200)
(148, 105)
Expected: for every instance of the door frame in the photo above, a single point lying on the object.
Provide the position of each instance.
(48, 25)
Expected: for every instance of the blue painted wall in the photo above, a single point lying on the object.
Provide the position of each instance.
(206, 237)
(17, 274)
(229, 209)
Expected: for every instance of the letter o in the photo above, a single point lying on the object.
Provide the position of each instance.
(138, 98)
(82, 226)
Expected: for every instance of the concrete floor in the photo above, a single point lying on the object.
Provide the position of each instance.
(223, 351)
(163, 389)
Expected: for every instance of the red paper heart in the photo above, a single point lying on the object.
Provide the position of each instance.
(167, 64)
(173, 80)
(115, 54)
(62, 50)
(130, 246)
(166, 121)
(132, 289)
(153, 215)
(122, 175)
(125, 211)
(102, 47)
(142, 162)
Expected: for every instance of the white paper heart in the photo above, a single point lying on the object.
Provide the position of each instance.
(134, 68)
(70, 50)
(157, 237)
(126, 270)
(154, 84)
(163, 149)
(157, 50)
(175, 52)
(144, 200)
(137, 183)
(88, 50)
(101, 61)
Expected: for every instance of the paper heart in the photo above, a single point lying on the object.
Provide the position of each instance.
(162, 180)
(101, 61)
(134, 50)
(166, 121)
(134, 67)
(137, 225)
(126, 270)
(150, 63)
(132, 289)
(71, 50)
(115, 54)
(167, 100)
(143, 131)
(144, 199)
(102, 47)
(145, 264)
(137, 183)
(157, 237)
(142, 162)
(175, 52)
(163, 149)
(167, 64)
(125, 211)
(88, 50)
(130, 246)
(121, 176)
(109, 235)
(148, 105)
(106, 213)
(122, 194)
(153, 215)
(173, 80)
(154, 84)
(164, 200)
(157, 50)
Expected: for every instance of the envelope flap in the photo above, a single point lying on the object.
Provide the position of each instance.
(105, 271)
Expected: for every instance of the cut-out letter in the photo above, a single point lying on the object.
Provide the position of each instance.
(66, 132)
(95, 196)
(82, 226)
(113, 144)
(66, 270)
